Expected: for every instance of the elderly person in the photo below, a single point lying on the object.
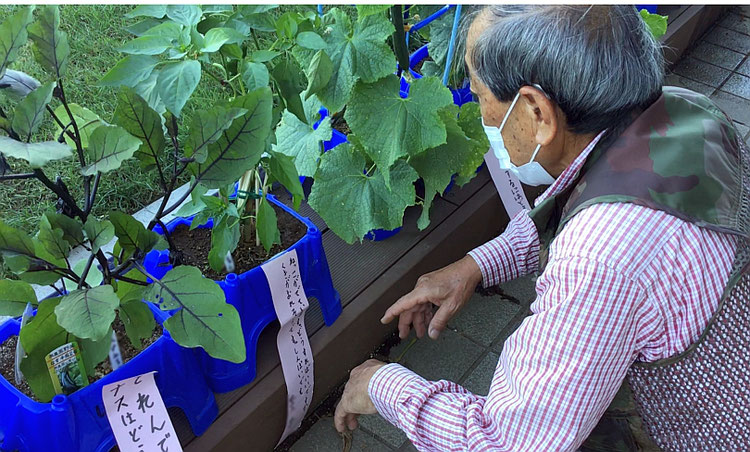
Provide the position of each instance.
(640, 241)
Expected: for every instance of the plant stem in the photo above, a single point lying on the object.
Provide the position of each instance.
(130, 280)
(166, 234)
(255, 38)
(257, 206)
(17, 176)
(63, 194)
(86, 270)
(90, 200)
(177, 203)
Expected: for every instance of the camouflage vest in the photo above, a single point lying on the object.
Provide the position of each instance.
(683, 156)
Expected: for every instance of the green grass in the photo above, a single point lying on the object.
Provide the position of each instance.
(94, 33)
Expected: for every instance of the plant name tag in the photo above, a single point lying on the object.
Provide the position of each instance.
(138, 417)
(508, 186)
(290, 303)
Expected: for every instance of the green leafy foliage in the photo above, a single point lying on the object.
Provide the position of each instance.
(187, 15)
(241, 146)
(86, 119)
(254, 75)
(352, 203)
(176, 82)
(30, 111)
(318, 73)
(413, 123)
(51, 47)
(52, 239)
(141, 121)
(207, 127)
(130, 70)
(132, 235)
(88, 313)
(108, 147)
(224, 236)
(203, 318)
(282, 170)
(98, 232)
(656, 23)
(155, 11)
(36, 154)
(298, 140)
(291, 81)
(266, 225)
(135, 314)
(14, 296)
(13, 36)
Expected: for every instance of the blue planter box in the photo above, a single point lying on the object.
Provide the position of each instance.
(250, 294)
(460, 95)
(78, 422)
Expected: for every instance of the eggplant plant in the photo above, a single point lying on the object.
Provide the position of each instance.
(223, 142)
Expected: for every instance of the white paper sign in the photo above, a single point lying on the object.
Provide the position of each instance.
(508, 186)
(138, 416)
(290, 303)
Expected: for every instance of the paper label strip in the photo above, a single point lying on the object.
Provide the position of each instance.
(508, 186)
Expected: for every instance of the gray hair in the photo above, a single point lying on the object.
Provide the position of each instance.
(599, 64)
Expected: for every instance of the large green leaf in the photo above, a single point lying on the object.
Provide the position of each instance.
(254, 75)
(656, 23)
(139, 28)
(72, 230)
(30, 111)
(281, 168)
(51, 47)
(87, 122)
(13, 36)
(352, 203)
(437, 165)
(88, 313)
(225, 236)
(311, 40)
(52, 239)
(291, 81)
(241, 146)
(217, 37)
(155, 11)
(14, 296)
(132, 235)
(135, 115)
(134, 313)
(147, 45)
(109, 146)
(187, 15)
(358, 51)
(368, 10)
(470, 121)
(130, 70)
(318, 73)
(204, 318)
(176, 82)
(98, 232)
(93, 278)
(440, 37)
(36, 154)
(27, 256)
(298, 140)
(206, 128)
(266, 225)
(413, 123)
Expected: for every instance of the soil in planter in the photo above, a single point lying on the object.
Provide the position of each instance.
(196, 244)
(8, 357)
(339, 123)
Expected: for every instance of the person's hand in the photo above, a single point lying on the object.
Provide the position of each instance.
(356, 399)
(449, 288)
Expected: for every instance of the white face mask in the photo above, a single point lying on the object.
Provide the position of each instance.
(531, 173)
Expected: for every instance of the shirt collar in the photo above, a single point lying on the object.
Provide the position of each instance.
(570, 173)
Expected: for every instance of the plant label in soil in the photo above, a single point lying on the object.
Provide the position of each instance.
(290, 303)
(508, 186)
(20, 352)
(115, 355)
(66, 369)
(138, 417)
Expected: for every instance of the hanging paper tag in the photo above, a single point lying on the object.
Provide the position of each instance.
(290, 303)
(508, 186)
(66, 369)
(28, 312)
(138, 417)
(115, 355)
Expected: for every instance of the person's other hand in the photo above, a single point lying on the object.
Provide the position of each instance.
(449, 288)
(356, 399)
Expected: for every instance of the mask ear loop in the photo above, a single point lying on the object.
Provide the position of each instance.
(507, 115)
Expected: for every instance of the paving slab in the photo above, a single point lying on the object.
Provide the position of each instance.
(742, 129)
(728, 38)
(323, 437)
(484, 317)
(739, 85)
(497, 345)
(382, 429)
(736, 22)
(700, 71)
(407, 447)
(522, 289)
(718, 56)
(447, 358)
(744, 68)
(736, 107)
(480, 379)
(698, 87)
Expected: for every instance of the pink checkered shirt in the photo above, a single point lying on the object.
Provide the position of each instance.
(623, 283)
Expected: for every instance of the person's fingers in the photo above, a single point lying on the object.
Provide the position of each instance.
(405, 303)
(440, 320)
(404, 324)
(428, 316)
(351, 421)
(418, 321)
(339, 417)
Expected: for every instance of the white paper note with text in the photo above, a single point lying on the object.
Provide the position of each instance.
(138, 417)
(508, 186)
(290, 303)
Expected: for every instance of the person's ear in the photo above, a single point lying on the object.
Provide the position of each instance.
(542, 114)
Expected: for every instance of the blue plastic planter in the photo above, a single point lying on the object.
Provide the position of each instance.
(78, 422)
(250, 294)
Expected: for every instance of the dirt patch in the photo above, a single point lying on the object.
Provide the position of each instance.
(339, 123)
(8, 357)
(195, 245)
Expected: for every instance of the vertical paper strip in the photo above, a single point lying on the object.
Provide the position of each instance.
(290, 303)
(138, 417)
(508, 186)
